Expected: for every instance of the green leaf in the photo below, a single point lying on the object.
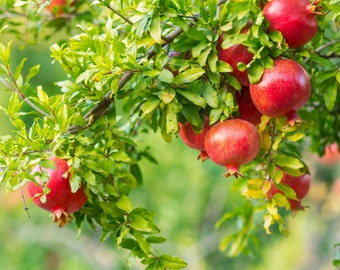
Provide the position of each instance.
(212, 61)
(233, 81)
(128, 243)
(90, 178)
(75, 182)
(192, 114)
(296, 136)
(155, 29)
(167, 95)
(287, 190)
(156, 239)
(143, 244)
(170, 262)
(149, 106)
(210, 94)
(223, 67)
(189, 75)
(203, 57)
(193, 94)
(151, 72)
(274, 173)
(224, 218)
(141, 224)
(124, 204)
(18, 70)
(5, 53)
(166, 76)
(255, 72)
(42, 96)
(215, 115)
(32, 72)
(172, 110)
(286, 161)
(330, 95)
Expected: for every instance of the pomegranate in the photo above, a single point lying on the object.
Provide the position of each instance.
(234, 55)
(194, 140)
(331, 156)
(246, 107)
(282, 90)
(295, 19)
(232, 143)
(59, 200)
(300, 184)
(57, 6)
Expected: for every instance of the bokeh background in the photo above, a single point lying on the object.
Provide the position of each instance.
(188, 197)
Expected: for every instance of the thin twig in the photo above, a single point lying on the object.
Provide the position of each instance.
(23, 97)
(119, 14)
(324, 46)
(25, 204)
(332, 42)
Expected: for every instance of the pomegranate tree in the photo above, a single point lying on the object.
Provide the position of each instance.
(60, 200)
(194, 139)
(300, 185)
(232, 143)
(295, 19)
(282, 90)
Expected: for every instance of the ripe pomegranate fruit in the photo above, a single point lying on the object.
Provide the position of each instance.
(194, 140)
(282, 90)
(295, 19)
(246, 107)
(232, 143)
(57, 6)
(331, 156)
(234, 55)
(300, 184)
(60, 200)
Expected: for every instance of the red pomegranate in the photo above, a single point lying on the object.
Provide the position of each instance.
(282, 90)
(57, 7)
(232, 143)
(246, 107)
(234, 55)
(60, 200)
(300, 184)
(331, 156)
(193, 139)
(295, 19)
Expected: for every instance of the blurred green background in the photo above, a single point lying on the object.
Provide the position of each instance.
(188, 198)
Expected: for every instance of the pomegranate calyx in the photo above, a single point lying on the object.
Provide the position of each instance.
(315, 9)
(61, 217)
(232, 170)
(203, 156)
(293, 118)
(300, 207)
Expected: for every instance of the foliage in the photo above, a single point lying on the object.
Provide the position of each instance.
(122, 79)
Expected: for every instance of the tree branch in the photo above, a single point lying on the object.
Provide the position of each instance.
(102, 106)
